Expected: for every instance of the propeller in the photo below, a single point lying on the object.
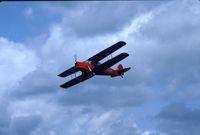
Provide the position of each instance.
(75, 60)
(75, 57)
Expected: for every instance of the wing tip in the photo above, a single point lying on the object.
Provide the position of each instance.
(63, 86)
(122, 42)
(125, 54)
(60, 75)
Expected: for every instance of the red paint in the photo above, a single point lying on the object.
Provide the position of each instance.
(86, 66)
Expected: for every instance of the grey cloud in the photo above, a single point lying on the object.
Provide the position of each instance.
(5, 118)
(179, 112)
(35, 83)
(141, 81)
(156, 65)
(167, 50)
(4, 114)
(175, 26)
(162, 61)
(20, 125)
(105, 96)
(178, 119)
(100, 91)
(97, 18)
(98, 122)
(24, 125)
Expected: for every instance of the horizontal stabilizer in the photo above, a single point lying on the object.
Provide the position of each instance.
(124, 70)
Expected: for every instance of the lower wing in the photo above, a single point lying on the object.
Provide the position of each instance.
(76, 80)
(68, 72)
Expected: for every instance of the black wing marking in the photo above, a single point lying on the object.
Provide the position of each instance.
(76, 80)
(68, 72)
(99, 56)
(110, 62)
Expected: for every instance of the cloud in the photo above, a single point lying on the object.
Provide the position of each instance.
(16, 124)
(56, 51)
(76, 120)
(24, 125)
(179, 119)
(166, 50)
(98, 18)
(163, 48)
(104, 123)
(4, 115)
(36, 83)
(105, 96)
(16, 62)
(49, 118)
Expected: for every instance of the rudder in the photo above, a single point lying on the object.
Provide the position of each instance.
(120, 67)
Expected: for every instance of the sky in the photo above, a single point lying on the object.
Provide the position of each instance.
(158, 96)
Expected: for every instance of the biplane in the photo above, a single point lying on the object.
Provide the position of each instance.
(92, 66)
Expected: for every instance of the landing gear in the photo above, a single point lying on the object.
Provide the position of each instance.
(92, 74)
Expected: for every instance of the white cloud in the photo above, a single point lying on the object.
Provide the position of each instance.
(76, 120)
(82, 108)
(16, 62)
(135, 25)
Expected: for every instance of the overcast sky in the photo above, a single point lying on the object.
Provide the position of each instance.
(158, 96)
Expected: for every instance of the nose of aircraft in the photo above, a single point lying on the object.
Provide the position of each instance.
(76, 64)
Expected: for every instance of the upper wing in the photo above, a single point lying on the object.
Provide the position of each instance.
(99, 56)
(70, 71)
(75, 81)
(110, 62)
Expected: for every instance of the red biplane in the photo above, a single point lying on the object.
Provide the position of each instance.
(92, 66)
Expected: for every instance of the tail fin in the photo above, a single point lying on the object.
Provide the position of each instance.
(121, 70)
(119, 67)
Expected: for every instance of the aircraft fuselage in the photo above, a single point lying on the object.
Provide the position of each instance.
(88, 67)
